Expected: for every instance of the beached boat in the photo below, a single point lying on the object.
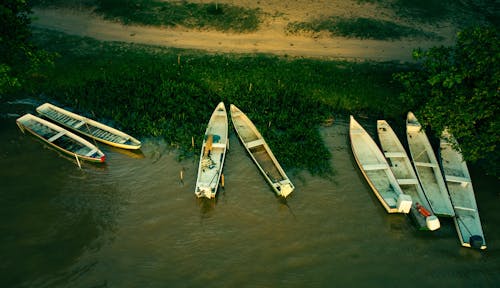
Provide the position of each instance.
(458, 180)
(427, 168)
(213, 153)
(407, 179)
(375, 169)
(260, 152)
(60, 138)
(88, 127)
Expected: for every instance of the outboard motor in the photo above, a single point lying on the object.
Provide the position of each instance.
(476, 241)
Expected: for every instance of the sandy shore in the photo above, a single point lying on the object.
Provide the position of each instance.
(270, 38)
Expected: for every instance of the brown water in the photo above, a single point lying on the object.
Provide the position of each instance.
(133, 223)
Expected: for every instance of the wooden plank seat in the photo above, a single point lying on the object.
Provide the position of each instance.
(81, 123)
(464, 208)
(377, 166)
(425, 164)
(457, 179)
(53, 138)
(411, 181)
(255, 143)
(395, 155)
(219, 145)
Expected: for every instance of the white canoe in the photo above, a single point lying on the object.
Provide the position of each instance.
(213, 153)
(88, 127)
(459, 184)
(403, 170)
(260, 152)
(427, 168)
(375, 169)
(60, 138)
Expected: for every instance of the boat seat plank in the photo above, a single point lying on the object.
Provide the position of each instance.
(464, 208)
(219, 145)
(79, 124)
(411, 181)
(425, 164)
(91, 152)
(53, 138)
(394, 154)
(457, 179)
(255, 143)
(378, 166)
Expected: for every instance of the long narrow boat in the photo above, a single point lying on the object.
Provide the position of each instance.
(60, 138)
(375, 169)
(458, 180)
(427, 168)
(213, 153)
(88, 127)
(403, 170)
(260, 152)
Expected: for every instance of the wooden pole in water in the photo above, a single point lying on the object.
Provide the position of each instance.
(78, 162)
(181, 175)
(192, 141)
(222, 180)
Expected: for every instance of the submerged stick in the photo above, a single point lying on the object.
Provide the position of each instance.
(78, 162)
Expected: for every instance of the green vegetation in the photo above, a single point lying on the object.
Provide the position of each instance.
(171, 93)
(364, 28)
(222, 17)
(18, 56)
(465, 12)
(458, 87)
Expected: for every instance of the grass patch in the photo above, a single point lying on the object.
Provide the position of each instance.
(221, 17)
(363, 28)
(465, 13)
(170, 93)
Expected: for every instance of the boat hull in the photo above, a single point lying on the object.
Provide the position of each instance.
(458, 180)
(61, 139)
(260, 153)
(88, 127)
(375, 169)
(213, 153)
(427, 168)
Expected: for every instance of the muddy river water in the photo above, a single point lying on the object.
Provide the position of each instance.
(133, 223)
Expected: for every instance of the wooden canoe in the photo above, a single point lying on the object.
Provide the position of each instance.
(375, 169)
(213, 152)
(458, 180)
(260, 152)
(88, 127)
(427, 168)
(407, 179)
(60, 138)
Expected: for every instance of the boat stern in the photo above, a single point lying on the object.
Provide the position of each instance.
(207, 192)
(285, 189)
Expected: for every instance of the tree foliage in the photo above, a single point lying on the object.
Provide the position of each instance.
(458, 87)
(19, 58)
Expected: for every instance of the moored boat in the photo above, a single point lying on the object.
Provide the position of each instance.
(60, 138)
(260, 153)
(213, 153)
(458, 180)
(407, 179)
(88, 127)
(376, 171)
(427, 168)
